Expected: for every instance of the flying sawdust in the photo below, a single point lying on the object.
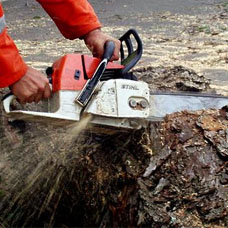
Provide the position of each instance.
(44, 174)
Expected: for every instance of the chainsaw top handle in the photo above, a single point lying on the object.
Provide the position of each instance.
(133, 54)
(108, 50)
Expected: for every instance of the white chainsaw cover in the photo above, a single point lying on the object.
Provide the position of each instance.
(112, 99)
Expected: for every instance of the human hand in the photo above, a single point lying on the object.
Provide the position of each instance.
(95, 41)
(32, 87)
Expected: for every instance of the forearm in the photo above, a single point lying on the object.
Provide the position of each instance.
(12, 66)
(74, 18)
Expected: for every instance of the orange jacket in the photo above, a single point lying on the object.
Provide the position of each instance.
(74, 18)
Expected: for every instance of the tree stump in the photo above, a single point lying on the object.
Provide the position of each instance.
(171, 174)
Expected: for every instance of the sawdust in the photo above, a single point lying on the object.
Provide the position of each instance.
(198, 42)
(41, 163)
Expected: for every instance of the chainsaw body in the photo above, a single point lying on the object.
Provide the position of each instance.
(116, 102)
(112, 105)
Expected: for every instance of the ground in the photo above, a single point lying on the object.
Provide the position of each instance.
(192, 33)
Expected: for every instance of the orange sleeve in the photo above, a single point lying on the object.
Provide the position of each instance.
(74, 18)
(12, 66)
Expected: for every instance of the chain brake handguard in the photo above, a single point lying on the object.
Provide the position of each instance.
(134, 48)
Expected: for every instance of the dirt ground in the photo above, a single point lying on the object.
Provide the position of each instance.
(192, 33)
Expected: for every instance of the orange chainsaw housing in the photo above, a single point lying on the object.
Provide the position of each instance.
(72, 71)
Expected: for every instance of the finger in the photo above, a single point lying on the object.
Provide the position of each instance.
(47, 91)
(95, 54)
(115, 55)
(98, 52)
(31, 99)
(91, 48)
(38, 97)
(22, 102)
(24, 99)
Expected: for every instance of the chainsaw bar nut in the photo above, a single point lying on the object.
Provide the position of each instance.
(132, 103)
(143, 104)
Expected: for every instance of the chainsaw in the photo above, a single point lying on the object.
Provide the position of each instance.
(83, 85)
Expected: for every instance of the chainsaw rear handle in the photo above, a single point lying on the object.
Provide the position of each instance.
(7, 100)
(132, 56)
(44, 117)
